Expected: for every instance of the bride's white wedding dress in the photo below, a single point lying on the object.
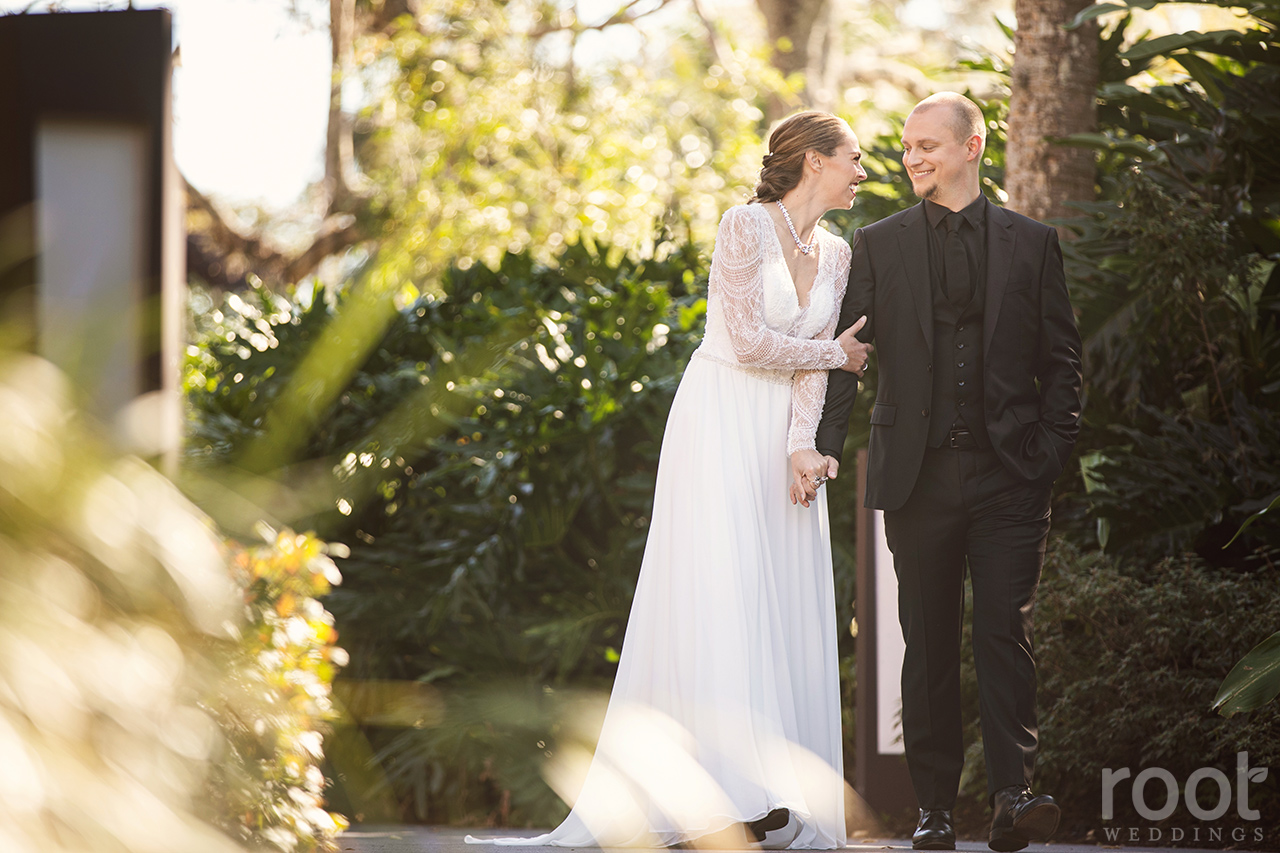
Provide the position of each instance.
(726, 703)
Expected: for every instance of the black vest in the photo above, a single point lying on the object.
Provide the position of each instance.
(957, 398)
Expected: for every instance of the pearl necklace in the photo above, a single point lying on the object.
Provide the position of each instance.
(805, 248)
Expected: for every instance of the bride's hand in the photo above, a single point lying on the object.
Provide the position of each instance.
(808, 471)
(855, 351)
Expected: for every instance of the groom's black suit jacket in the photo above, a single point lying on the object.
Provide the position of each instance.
(1031, 351)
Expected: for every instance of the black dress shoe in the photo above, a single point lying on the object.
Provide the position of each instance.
(1020, 816)
(775, 819)
(935, 831)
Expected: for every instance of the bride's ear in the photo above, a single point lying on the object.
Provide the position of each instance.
(814, 160)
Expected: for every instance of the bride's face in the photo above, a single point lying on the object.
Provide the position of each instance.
(840, 173)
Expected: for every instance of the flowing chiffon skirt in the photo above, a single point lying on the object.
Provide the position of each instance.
(726, 703)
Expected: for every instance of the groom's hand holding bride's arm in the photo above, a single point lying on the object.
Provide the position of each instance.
(856, 352)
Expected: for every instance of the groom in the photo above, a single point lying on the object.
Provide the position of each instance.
(976, 412)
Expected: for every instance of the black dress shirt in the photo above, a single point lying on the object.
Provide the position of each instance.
(973, 235)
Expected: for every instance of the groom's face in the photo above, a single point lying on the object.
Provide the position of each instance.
(933, 154)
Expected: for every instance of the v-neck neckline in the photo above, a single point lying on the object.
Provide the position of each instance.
(782, 253)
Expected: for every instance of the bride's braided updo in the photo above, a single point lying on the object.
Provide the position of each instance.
(784, 164)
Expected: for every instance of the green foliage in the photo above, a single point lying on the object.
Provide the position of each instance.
(481, 140)
(261, 324)
(267, 788)
(1129, 670)
(1183, 483)
(1174, 275)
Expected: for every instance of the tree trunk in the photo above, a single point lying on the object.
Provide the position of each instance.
(798, 33)
(338, 149)
(1055, 81)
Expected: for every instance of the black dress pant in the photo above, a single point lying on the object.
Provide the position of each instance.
(966, 505)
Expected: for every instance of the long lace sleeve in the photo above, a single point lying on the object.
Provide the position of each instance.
(809, 388)
(736, 273)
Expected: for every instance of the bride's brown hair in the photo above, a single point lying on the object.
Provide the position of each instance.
(797, 134)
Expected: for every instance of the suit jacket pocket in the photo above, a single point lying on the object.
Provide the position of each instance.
(1026, 413)
(882, 415)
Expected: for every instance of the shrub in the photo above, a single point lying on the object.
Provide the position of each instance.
(267, 788)
(1185, 484)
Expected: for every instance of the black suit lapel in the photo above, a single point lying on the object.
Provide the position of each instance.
(912, 241)
(1000, 247)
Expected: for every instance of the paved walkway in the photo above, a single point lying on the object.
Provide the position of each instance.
(432, 839)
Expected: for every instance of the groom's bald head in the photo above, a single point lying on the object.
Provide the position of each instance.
(964, 117)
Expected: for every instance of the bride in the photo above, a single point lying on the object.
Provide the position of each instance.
(725, 713)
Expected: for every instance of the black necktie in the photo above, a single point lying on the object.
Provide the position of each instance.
(955, 262)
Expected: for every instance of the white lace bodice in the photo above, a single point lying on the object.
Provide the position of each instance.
(755, 321)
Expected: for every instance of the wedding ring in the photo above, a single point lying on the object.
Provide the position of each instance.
(818, 481)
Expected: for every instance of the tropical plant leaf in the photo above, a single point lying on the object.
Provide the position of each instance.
(1251, 519)
(1098, 10)
(1203, 73)
(1107, 142)
(1191, 40)
(1253, 682)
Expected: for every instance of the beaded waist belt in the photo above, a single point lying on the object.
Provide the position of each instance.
(777, 377)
